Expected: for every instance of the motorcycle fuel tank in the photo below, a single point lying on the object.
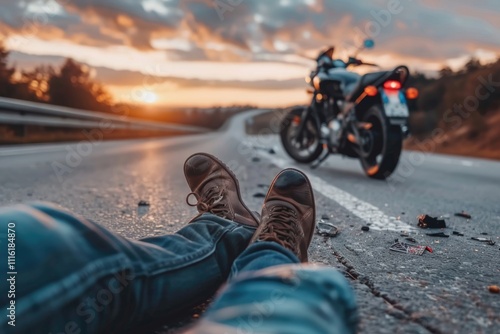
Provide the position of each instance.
(335, 82)
(347, 79)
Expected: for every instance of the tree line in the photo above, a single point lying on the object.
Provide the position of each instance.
(471, 93)
(71, 85)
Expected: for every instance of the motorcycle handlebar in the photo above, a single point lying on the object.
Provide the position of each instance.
(359, 62)
(369, 64)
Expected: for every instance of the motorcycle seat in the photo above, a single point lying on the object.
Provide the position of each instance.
(365, 80)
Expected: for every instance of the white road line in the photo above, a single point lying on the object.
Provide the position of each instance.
(453, 161)
(365, 211)
(467, 163)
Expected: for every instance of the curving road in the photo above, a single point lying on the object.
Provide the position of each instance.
(442, 292)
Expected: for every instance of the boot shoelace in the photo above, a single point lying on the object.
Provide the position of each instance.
(282, 228)
(210, 201)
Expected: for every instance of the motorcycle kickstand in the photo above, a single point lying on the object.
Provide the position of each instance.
(320, 160)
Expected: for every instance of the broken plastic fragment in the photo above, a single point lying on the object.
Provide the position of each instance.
(439, 234)
(326, 229)
(408, 249)
(426, 221)
(480, 239)
(463, 214)
(488, 241)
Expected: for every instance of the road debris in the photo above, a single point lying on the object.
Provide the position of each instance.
(463, 214)
(427, 248)
(365, 228)
(405, 234)
(269, 150)
(458, 233)
(143, 203)
(259, 195)
(325, 217)
(411, 240)
(426, 221)
(494, 289)
(327, 229)
(439, 234)
(402, 247)
(488, 241)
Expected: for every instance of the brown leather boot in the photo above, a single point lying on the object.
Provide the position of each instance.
(288, 214)
(216, 190)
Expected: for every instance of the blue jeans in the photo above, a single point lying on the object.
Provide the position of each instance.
(73, 276)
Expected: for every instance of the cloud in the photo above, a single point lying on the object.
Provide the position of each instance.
(29, 62)
(135, 21)
(133, 78)
(261, 30)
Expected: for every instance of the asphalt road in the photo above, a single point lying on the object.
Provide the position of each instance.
(440, 292)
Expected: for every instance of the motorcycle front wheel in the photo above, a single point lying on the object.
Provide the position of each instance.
(380, 145)
(305, 147)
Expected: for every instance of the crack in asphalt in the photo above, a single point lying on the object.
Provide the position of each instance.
(365, 280)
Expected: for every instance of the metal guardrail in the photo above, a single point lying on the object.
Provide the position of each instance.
(17, 112)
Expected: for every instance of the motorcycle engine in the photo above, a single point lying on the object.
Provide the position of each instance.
(334, 127)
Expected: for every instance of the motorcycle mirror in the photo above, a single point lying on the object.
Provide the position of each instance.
(368, 43)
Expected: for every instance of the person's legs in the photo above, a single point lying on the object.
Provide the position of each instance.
(74, 276)
(288, 298)
(269, 292)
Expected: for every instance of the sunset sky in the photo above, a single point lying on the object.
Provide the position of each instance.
(209, 52)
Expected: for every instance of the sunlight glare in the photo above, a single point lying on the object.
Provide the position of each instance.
(149, 97)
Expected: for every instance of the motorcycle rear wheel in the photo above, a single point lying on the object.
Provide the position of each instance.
(309, 148)
(381, 145)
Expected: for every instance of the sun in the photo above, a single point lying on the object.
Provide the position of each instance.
(149, 97)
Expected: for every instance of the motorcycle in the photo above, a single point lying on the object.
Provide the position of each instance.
(359, 116)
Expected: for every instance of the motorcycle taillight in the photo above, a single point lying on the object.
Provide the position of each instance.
(392, 85)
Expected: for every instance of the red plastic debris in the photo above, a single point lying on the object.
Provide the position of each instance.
(427, 248)
(426, 221)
